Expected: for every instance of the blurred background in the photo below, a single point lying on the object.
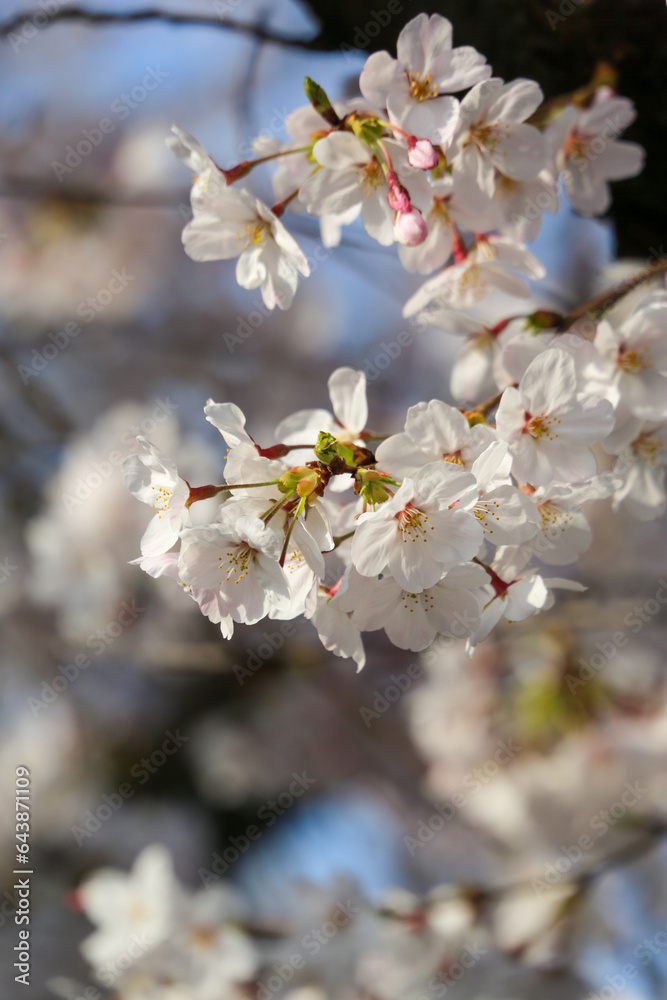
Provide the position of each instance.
(108, 330)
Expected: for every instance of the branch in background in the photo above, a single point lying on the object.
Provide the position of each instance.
(94, 17)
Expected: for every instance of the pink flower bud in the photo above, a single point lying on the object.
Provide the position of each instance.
(410, 228)
(397, 196)
(421, 153)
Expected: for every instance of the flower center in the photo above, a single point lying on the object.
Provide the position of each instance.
(421, 89)
(236, 562)
(634, 360)
(412, 523)
(453, 456)
(425, 599)
(649, 449)
(540, 426)
(371, 176)
(162, 498)
(253, 235)
(438, 213)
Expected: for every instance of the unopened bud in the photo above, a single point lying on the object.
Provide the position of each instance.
(397, 197)
(410, 229)
(421, 154)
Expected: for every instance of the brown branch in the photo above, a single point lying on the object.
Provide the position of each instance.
(94, 17)
(599, 304)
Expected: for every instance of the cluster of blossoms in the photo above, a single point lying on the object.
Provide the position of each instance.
(155, 940)
(446, 527)
(422, 168)
(442, 529)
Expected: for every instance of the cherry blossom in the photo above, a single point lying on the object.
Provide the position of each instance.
(417, 534)
(549, 429)
(589, 152)
(414, 87)
(233, 223)
(154, 480)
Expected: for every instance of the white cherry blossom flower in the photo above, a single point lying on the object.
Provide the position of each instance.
(589, 154)
(233, 223)
(350, 177)
(414, 86)
(515, 600)
(492, 138)
(208, 179)
(548, 428)
(337, 630)
(417, 534)
(154, 480)
(488, 265)
(238, 562)
(434, 432)
(634, 358)
(144, 903)
(347, 392)
(505, 514)
(642, 467)
(412, 620)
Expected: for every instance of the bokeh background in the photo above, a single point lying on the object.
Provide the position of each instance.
(270, 702)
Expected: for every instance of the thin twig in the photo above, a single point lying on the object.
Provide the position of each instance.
(95, 17)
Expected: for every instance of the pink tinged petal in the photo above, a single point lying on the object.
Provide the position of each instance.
(585, 422)
(437, 428)
(511, 415)
(347, 391)
(489, 462)
(460, 69)
(413, 625)
(465, 576)
(289, 246)
(549, 383)
(520, 152)
(433, 253)
(399, 456)
(489, 618)
(649, 401)
(332, 191)
(608, 117)
(525, 598)
(250, 271)
(620, 160)
(229, 420)
(476, 102)
(413, 41)
(341, 150)
(373, 543)
(303, 427)
(436, 118)
(440, 484)
(414, 560)
(456, 537)
(455, 613)
(377, 218)
(338, 633)
(588, 195)
(515, 102)
(377, 77)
